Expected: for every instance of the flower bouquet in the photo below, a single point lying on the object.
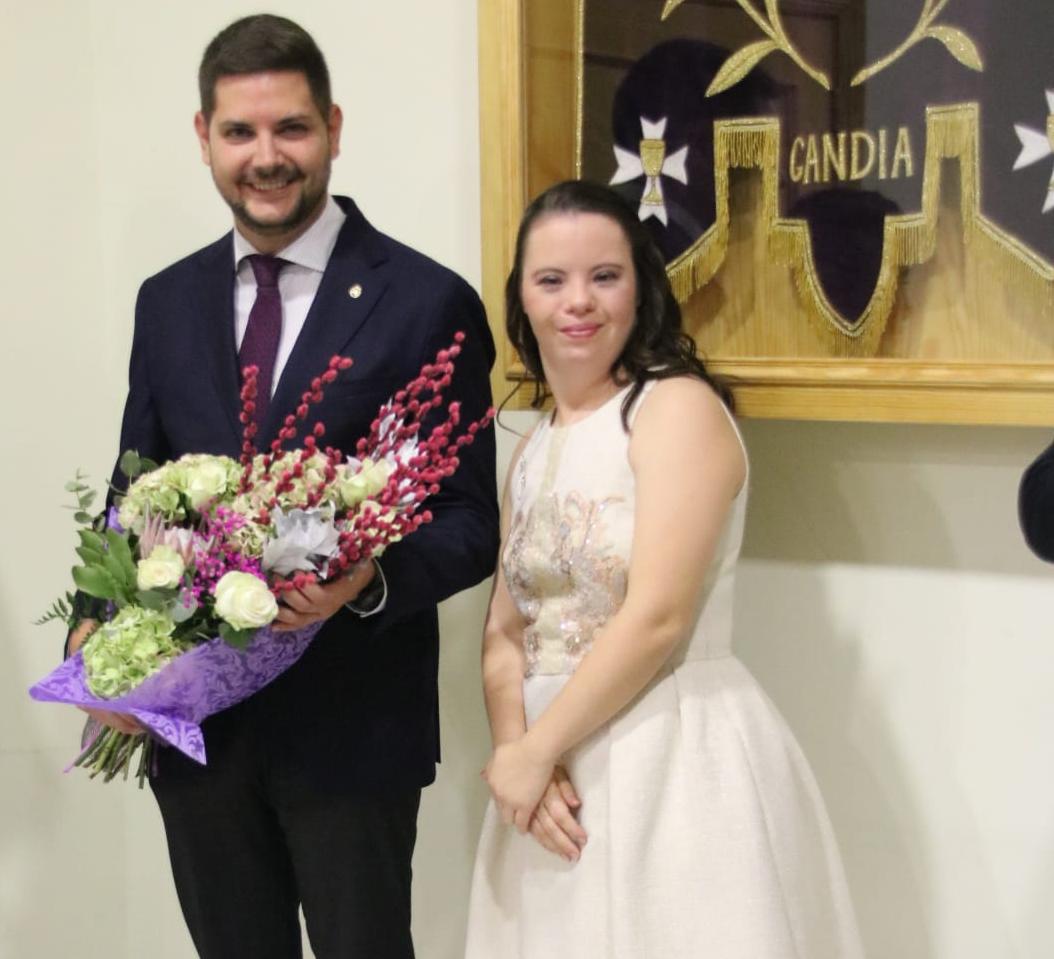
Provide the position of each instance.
(192, 561)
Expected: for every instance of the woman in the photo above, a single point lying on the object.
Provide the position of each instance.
(659, 806)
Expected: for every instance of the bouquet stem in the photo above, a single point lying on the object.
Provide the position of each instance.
(111, 752)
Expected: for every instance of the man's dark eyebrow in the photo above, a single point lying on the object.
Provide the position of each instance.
(227, 125)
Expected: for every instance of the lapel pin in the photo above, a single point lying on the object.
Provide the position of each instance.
(355, 291)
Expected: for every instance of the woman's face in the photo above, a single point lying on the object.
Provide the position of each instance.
(579, 291)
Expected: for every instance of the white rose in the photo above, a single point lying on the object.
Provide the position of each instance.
(205, 479)
(244, 601)
(162, 569)
(368, 481)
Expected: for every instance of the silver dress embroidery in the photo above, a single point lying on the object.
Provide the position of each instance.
(558, 550)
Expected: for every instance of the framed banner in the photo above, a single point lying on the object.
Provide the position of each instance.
(855, 198)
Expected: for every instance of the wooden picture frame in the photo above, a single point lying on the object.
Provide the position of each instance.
(530, 82)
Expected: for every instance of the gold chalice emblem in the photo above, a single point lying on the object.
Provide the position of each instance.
(652, 157)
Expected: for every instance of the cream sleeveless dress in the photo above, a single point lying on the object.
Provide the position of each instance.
(707, 835)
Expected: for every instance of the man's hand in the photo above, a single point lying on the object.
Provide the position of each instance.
(315, 603)
(118, 721)
(554, 824)
(84, 629)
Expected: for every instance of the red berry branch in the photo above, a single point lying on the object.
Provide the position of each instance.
(418, 465)
(287, 433)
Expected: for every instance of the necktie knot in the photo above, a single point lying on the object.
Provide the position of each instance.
(266, 270)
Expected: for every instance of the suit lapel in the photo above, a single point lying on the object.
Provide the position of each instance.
(214, 315)
(353, 283)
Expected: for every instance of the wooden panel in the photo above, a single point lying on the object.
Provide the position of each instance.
(503, 162)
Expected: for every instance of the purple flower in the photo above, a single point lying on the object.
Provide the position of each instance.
(112, 522)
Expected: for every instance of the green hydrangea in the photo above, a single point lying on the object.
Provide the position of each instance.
(134, 645)
(194, 480)
(202, 478)
(157, 493)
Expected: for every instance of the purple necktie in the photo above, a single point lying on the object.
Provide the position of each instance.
(260, 343)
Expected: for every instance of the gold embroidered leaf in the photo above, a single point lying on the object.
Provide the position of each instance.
(767, 28)
(866, 74)
(959, 45)
(671, 5)
(740, 64)
(933, 11)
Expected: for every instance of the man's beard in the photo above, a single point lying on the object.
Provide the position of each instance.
(303, 211)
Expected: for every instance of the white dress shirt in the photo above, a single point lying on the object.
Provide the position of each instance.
(298, 282)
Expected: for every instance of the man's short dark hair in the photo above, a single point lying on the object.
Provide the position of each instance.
(261, 43)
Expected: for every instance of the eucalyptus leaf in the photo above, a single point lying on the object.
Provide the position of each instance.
(181, 613)
(84, 518)
(130, 464)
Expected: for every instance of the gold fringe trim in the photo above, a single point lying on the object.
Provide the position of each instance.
(580, 81)
(738, 144)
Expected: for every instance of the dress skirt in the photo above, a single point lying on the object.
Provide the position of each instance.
(707, 838)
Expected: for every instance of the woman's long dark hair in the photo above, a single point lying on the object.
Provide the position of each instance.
(657, 347)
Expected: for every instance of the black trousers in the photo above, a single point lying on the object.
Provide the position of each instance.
(252, 838)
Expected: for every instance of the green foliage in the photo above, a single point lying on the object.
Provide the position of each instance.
(130, 464)
(133, 465)
(109, 570)
(120, 552)
(96, 581)
(92, 548)
(238, 638)
(92, 551)
(61, 609)
(182, 613)
(84, 496)
(154, 598)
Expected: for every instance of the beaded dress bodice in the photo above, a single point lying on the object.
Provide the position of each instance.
(566, 561)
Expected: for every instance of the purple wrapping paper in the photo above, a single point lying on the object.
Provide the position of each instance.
(204, 680)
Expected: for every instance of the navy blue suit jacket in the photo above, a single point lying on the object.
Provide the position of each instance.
(360, 708)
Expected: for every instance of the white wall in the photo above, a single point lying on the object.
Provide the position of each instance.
(886, 601)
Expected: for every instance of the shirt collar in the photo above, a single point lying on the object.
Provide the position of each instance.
(311, 249)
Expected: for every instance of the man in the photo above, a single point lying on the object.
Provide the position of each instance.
(312, 785)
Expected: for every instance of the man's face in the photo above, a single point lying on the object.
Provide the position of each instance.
(270, 151)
